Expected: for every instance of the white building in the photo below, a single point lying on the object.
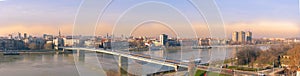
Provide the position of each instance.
(89, 43)
(298, 72)
(235, 36)
(49, 42)
(58, 42)
(156, 43)
(163, 38)
(70, 42)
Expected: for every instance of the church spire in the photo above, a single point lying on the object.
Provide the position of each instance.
(59, 33)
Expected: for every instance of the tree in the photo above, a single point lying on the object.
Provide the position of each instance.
(270, 56)
(247, 55)
(48, 46)
(263, 58)
(32, 46)
(294, 61)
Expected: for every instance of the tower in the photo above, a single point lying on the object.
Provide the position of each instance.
(59, 41)
(241, 36)
(59, 33)
(234, 36)
(25, 35)
(163, 39)
(249, 37)
(19, 36)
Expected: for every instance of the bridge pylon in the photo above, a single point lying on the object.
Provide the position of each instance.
(123, 65)
(80, 55)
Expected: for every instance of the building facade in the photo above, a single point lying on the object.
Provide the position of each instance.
(235, 36)
(204, 42)
(11, 44)
(242, 37)
(163, 39)
(249, 37)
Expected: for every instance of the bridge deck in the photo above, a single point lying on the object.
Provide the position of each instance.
(160, 61)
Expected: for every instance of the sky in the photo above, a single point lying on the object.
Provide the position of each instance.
(265, 18)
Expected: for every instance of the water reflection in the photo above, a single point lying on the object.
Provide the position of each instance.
(46, 64)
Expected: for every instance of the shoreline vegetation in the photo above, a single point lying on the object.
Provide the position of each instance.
(205, 73)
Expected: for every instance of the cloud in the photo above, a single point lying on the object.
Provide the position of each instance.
(266, 28)
(260, 28)
(2, 0)
(153, 30)
(36, 30)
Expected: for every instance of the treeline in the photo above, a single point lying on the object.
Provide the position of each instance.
(254, 56)
(294, 60)
(35, 46)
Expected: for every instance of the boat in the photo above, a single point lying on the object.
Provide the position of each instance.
(201, 47)
(197, 61)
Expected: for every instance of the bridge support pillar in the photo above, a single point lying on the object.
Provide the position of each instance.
(120, 61)
(123, 65)
(80, 55)
(176, 68)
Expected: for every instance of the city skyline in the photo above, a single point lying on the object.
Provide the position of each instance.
(34, 17)
(147, 31)
(150, 37)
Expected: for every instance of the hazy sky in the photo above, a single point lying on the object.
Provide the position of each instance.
(266, 18)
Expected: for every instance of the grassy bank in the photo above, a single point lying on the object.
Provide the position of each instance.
(243, 68)
(205, 73)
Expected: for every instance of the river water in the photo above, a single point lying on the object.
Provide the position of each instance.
(55, 64)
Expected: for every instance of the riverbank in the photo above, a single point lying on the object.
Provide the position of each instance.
(33, 51)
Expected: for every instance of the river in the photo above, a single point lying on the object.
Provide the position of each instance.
(55, 64)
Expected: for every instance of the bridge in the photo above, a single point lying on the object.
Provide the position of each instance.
(176, 64)
(156, 60)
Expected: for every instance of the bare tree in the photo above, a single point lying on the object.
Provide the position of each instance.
(48, 46)
(270, 56)
(33, 46)
(294, 61)
(247, 55)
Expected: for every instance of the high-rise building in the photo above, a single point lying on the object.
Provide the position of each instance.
(10, 36)
(241, 36)
(163, 39)
(25, 35)
(19, 36)
(234, 36)
(249, 37)
(44, 36)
